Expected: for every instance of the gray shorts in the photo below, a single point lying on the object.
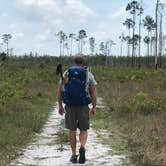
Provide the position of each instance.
(77, 117)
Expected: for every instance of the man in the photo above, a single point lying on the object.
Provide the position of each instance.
(77, 116)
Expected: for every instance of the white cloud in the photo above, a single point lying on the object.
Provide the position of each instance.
(102, 34)
(77, 10)
(3, 17)
(15, 30)
(47, 35)
(162, 1)
(19, 34)
(49, 11)
(108, 30)
(120, 12)
(51, 16)
(39, 10)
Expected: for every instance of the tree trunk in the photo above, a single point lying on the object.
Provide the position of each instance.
(60, 49)
(63, 49)
(148, 51)
(150, 47)
(156, 56)
(7, 45)
(81, 46)
(160, 42)
(140, 41)
(121, 47)
(133, 44)
(71, 47)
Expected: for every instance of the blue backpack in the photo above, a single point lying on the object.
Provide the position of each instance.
(74, 87)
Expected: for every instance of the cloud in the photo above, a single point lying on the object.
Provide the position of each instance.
(162, 1)
(39, 10)
(16, 30)
(46, 36)
(3, 17)
(120, 12)
(51, 16)
(109, 29)
(77, 10)
(50, 11)
(19, 34)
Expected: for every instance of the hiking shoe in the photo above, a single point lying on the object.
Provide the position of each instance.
(73, 159)
(82, 155)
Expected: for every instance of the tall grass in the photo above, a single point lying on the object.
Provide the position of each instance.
(135, 112)
(135, 99)
(27, 95)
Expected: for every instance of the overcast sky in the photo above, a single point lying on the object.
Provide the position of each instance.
(33, 23)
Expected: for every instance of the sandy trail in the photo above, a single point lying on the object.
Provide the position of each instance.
(44, 152)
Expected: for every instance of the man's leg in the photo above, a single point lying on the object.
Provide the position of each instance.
(83, 121)
(83, 137)
(70, 123)
(72, 137)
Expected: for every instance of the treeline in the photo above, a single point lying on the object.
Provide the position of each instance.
(100, 60)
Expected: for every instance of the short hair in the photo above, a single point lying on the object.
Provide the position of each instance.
(79, 59)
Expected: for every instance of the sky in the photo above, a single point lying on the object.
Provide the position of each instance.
(34, 23)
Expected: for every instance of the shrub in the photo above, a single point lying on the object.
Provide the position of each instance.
(142, 103)
(160, 104)
(3, 56)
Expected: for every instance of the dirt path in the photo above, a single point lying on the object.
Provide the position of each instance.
(44, 152)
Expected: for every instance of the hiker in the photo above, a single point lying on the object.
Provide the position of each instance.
(76, 91)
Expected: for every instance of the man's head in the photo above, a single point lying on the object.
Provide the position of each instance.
(79, 60)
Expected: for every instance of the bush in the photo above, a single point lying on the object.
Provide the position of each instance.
(3, 56)
(161, 103)
(142, 103)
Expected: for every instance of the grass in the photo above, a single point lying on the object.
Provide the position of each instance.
(135, 113)
(134, 116)
(62, 138)
(62, 134)
(113, 137)
(27, 95)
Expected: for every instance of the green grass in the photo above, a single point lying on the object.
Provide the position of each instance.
(135, 113)
(62, 137)
(27, 95)
(134, 116)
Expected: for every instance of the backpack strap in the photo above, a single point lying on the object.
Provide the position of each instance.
(86, 84)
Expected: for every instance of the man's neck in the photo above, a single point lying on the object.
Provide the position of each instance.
(79, 65)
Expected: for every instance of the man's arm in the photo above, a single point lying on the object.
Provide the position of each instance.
(59, 98)
(93, 97)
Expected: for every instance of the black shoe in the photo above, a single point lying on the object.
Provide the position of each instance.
(73, 159)
(82, 155)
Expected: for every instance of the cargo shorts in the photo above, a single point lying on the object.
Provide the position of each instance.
(77, 117)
